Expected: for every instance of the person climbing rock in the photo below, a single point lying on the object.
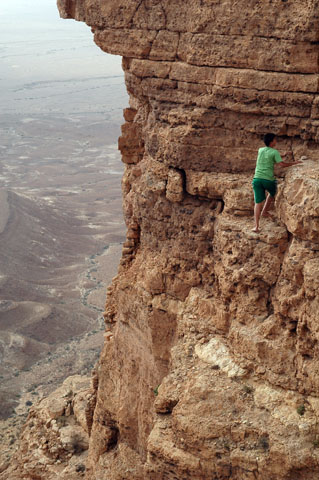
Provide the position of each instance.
(264, 179)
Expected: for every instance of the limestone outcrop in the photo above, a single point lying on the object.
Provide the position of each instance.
(55, 439)
(210, 366)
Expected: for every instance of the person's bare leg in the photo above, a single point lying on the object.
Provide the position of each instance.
(267, 206)
(257, 212)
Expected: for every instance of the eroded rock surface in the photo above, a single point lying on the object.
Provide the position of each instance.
(210, 367)
(55, 439)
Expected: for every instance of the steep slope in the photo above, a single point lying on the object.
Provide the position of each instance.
(50, 265)
(211, 365)
(41, 250)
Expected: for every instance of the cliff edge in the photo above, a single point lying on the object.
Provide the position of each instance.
(210, 365)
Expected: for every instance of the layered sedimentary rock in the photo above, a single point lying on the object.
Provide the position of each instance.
(210, 368)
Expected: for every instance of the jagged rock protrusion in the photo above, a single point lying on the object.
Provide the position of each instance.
(131, 143)
(175, 185)
(55, 440)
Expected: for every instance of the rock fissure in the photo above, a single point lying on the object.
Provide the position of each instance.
(139, 4)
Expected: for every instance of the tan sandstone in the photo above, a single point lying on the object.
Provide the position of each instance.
(210, 365)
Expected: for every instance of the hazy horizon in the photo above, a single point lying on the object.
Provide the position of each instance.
(45, 58)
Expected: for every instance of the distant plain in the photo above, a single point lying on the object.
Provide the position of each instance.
(61, 224)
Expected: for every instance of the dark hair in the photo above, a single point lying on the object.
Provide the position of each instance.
(268, 138)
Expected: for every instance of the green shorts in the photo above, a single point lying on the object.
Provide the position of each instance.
(260, 186)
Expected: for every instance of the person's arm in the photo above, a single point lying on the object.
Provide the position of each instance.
(289, 164)
(285, 164)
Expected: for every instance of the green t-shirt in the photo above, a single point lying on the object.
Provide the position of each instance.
(267, 157)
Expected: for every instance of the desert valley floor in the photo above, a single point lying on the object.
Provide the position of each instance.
(61, 223)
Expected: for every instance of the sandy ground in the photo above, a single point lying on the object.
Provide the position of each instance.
(4, 211)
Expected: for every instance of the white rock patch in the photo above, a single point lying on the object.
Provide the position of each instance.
(216, 353)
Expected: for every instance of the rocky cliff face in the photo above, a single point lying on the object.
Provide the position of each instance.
(210, 368)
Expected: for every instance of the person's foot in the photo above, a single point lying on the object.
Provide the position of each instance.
(256, 230)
